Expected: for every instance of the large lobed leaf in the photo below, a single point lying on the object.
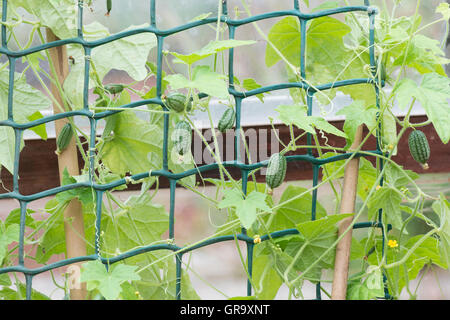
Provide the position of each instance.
(246, 208)
(128, 54)
(108, 282)
(58, 15)
(433, 94)
(327, 58)
(27, 102)
(132, 145)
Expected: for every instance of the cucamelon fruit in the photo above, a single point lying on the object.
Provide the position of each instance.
(276, 170)
(383, 72)
(227, 120)
(114, 88)
(64, 137)
(108, 7)
(177, 102)
(419, 147)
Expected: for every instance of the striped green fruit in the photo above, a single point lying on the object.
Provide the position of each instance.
(181, 137)
(276, 170)
(64, 137)
(177, 102)
(108, 7)
(419, 147)
(114, 88)
(383, 72)
(227, 120)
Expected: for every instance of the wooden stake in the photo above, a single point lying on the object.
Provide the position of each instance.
(340, 279)
(73, 215)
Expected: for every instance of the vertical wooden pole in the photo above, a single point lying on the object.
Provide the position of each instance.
(73, 215)
(339, 289)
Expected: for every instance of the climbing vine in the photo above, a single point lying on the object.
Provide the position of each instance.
(408, 68)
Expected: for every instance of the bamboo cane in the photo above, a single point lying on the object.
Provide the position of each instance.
(340, 278)
(73, 216)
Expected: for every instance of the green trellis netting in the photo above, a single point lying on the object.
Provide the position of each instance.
(173, 178)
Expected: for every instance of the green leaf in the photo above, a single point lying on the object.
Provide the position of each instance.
(85, 195)
(296, 115)
(187, 290)
(358, 291)
(96, 276)
(323, 125)
(53, 240)
(128, 54)
(250, 84)
(371, 288)
(374, 280)
(265, 278)
(14, 218)
(314, 239)
(423, 53)
(259, 187)
(293, 212)
(399, 177)
(285, 36)
(367, 176)
(404, 92)
(367, 173)
(40, 130)
(246, 209)
(444, 9)
(282, 264)
(34, 59)
(442, 209)
(433, 94)
(210, 49)
(357, 114)
(5, 280)
(389, 200)
(328, 59)
(135, 146)
(143, 222)
(326, 6)
(26, 102)
(11, 294)
(158, 279)
(8, 235)
(58, 15)
(175, 163)
(428, 252)
(312, 230)
(203, 79)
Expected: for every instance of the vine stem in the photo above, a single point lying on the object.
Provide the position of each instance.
(410, 251)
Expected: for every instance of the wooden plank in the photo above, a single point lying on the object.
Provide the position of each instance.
(39, 165)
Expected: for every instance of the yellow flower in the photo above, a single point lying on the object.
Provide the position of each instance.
(392, 244)
(256, 239)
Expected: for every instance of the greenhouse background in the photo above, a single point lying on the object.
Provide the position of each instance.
(216, 277)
